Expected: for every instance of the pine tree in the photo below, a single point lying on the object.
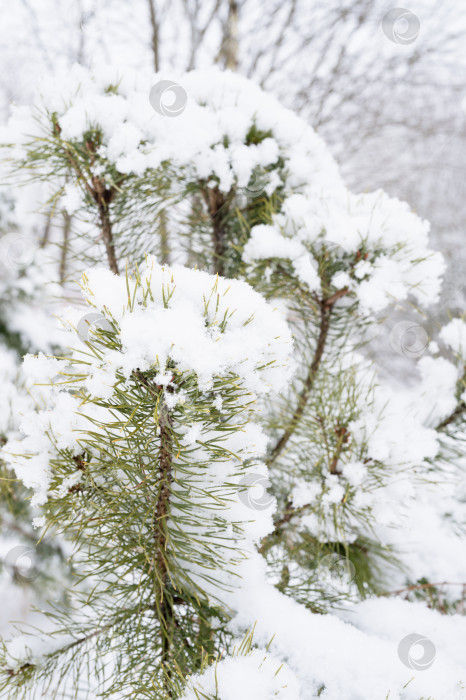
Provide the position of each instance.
(24, 564)
(179, 400)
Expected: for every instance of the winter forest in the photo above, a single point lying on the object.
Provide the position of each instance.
(232, 350)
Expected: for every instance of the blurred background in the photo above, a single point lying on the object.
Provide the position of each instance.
(384, 86)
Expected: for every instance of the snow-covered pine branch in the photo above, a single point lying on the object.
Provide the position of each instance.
(141, 444)
(144, 446)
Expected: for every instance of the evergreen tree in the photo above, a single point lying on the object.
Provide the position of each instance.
(206, 475)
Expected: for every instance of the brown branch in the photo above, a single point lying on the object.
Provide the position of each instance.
(422, 585)
(160, 534)
(343, 436)
(326, 306)
(107, 236)
(46, 234)
(198, 32)
(101, 196)
(164, 240)
(457, 413)
(307, 388)
(12, 673)
(163, 501)
(163, 606)
(64, 250)
(290, 512)
(216, 202)
(335, 297)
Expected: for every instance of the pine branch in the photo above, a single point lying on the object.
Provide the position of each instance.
(162, 605)
(326, 307)
(164, 240)
(65, 246)
(342, 434)
(216, 205)
(289, 513)
(78, 642)
(459, 411)
(72, 161)
(46, 234)
(160, 524)
(101, 195)
(420, 586)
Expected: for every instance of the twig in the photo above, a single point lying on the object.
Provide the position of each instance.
(326, 306)
(101, 196)
(64, 250)
(418, 586)
(457, 413)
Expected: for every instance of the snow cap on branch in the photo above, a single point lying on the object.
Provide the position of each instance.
(163, 320)
(255, 676)
(204, 323)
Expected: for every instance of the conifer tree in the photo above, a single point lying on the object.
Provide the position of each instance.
(209, 471)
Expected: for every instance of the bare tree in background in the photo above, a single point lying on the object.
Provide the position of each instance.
(391, 112)
(154, 23)
(229, 50)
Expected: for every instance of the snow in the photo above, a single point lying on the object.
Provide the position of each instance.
(396, 241)
(176, 321)
(210, 326)
(454, 336)
(256, 676)
(209, 141)
(266, 242)
(357, 656)
(355, 473)
(219, 106)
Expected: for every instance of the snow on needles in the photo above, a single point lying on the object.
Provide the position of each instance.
(255, 676)
(172, 317)
(229, 133)
(210, 138)
(175, 318)
(381, 244)
(205, 324)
